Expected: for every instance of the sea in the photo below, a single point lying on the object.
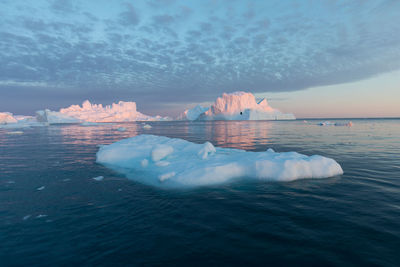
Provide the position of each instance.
(53, 213)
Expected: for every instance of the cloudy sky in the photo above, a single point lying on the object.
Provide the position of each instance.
(167, 55)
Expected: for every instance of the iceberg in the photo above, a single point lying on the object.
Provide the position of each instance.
(54, 117)
(236, 106)
(96, 113)
(6, 117)
(170, 162)
(9, 121)
(192, 114)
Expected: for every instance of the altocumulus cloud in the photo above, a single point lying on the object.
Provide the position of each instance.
(171, 52)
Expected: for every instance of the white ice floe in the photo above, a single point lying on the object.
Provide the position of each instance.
(147, 127)
(40, 188)
(121, 129)
(88, 123)
(15, 132)
(190, 164)
(98, 178)
(236, 106)
(331, 123)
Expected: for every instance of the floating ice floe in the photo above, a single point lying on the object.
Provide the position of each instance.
(147, 126)
(40, 188)
(331, 123)
(98, 178)
(15, 132)
(88, 123)
(121, 129)
(236, 106)
(176, 162)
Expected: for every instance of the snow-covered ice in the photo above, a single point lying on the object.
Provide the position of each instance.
(40, 188)
(236, 106)
(190, 164)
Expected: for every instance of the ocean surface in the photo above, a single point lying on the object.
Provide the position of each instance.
(53, 213)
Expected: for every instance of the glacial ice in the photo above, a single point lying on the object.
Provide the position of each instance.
(96, 113)
(54, 117)
(6, 117)
(175, 162)
(192, 114)
(236, 106)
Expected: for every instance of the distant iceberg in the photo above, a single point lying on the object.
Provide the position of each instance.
(53, 117)
(236, 106)
(88, 112)
(331, 123)
(163, 161)
(6, 117)
(9, 121)
(192, 114)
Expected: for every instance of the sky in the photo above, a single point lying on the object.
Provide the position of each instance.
(315, 58)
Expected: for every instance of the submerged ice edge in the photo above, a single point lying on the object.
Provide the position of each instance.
(171, 162)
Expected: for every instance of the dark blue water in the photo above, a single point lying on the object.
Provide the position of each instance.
(53, 213)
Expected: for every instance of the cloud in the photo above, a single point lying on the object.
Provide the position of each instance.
(193, 52)
(129, 16)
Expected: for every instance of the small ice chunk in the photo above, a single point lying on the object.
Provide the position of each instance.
(161, 151)
(166, 176)
(270, 150)
(66, 180)
(41, 216)
(40, 188)
(15, 132)
(147, 126)
(98, 178)
(326, 123)
(121, 129)
(162, 163)
(144, 163)
(26, 217)
(206, 150)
